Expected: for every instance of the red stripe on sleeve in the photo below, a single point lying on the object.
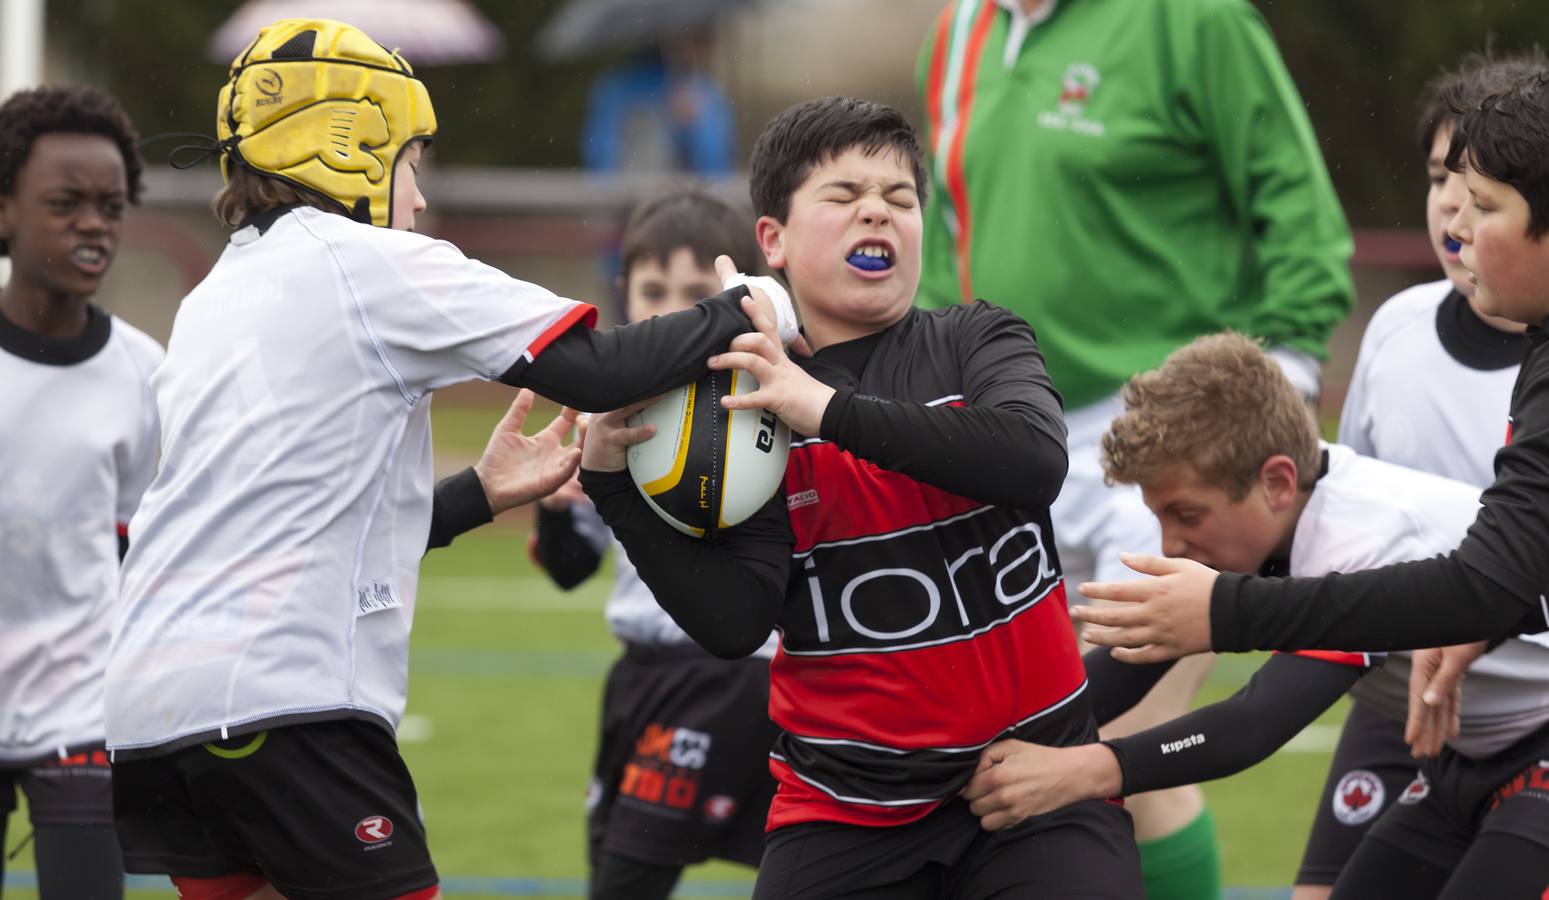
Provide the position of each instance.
(1340, 657)
(123, 529)
(585, 313)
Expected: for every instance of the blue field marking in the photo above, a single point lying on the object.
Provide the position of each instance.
(567, 887)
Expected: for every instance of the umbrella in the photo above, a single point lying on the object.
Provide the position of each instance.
(586, 27)
(429, 32)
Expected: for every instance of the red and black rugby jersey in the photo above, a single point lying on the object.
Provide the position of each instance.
(921, 622)
(920, 601)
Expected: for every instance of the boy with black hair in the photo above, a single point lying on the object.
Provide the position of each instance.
(1228, 459)
(908, 562)
(1496, 583)
(260, 654)
(1431, 385)
(682, 766)
(78, 448)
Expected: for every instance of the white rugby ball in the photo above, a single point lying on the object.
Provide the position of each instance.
(708, 468)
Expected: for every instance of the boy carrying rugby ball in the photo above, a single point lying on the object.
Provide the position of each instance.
(908, 563)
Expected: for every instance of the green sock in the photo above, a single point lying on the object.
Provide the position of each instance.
(1185, 865)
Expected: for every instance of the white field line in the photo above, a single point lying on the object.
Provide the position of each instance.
(468, 593)
(1314, 739)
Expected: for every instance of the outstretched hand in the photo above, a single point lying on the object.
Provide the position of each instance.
(784, 388)
(518, 468)
(1156, 619)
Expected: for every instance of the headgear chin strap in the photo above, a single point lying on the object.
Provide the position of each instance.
(319, 104)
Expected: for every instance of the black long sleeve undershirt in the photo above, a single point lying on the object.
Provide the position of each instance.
(460, 505)
(1008, 455)
(727, 592)
(1005, 445)
(595, 371)
(1284, 696)
(564, 553)
(1425, 603)
(1493, 586)
(1114, 687)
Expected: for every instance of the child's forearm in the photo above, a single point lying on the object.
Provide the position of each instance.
(725, 593)
(1285, 695)
(566, 556)
(1005, 457)
(1114, 687)
(595, 371)
(1405, 606)
(460, 505)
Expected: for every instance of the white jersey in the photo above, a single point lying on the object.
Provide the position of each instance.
(273, 564)
(632, 612)
(1431, 387)
(77, 450)
(1366, 513)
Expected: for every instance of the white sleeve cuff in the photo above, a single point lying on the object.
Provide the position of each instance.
(1302, 369)
(785, 310)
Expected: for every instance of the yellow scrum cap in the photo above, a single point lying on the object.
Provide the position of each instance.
(320, 104)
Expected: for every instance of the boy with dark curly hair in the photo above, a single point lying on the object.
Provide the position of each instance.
(78, 449)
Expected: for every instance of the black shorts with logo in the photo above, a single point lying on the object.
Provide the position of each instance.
(1453, 799)
(1085, 850)
(1370, 768)
(74, 790)
(682, 770)
(323, 810)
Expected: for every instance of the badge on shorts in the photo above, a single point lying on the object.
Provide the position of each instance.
(1418, 790)
(720, 808)
(373, 829)
(1358, 797)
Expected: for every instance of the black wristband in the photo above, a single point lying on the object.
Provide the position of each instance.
(460, 505)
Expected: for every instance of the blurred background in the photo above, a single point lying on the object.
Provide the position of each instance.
(555, 117)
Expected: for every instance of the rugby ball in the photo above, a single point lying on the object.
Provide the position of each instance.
(708, 468)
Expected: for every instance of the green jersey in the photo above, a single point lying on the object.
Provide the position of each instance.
(1127, 175)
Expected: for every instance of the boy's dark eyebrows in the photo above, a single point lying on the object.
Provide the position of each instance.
(853, 187)
(900, 186)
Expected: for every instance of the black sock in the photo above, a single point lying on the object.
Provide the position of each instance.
(79, 861)
(617, 877)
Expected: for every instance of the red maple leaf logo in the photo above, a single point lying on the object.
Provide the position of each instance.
(1357, 797)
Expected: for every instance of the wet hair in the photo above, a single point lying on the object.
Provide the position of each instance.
(1218, 406)
(28, 115)
(817, 131)
(694, 219)
(1506, 138)
(1477, 75)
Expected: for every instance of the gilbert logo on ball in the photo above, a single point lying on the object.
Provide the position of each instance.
(708, 468)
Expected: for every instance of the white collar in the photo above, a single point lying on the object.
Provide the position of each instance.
(1021, 24)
